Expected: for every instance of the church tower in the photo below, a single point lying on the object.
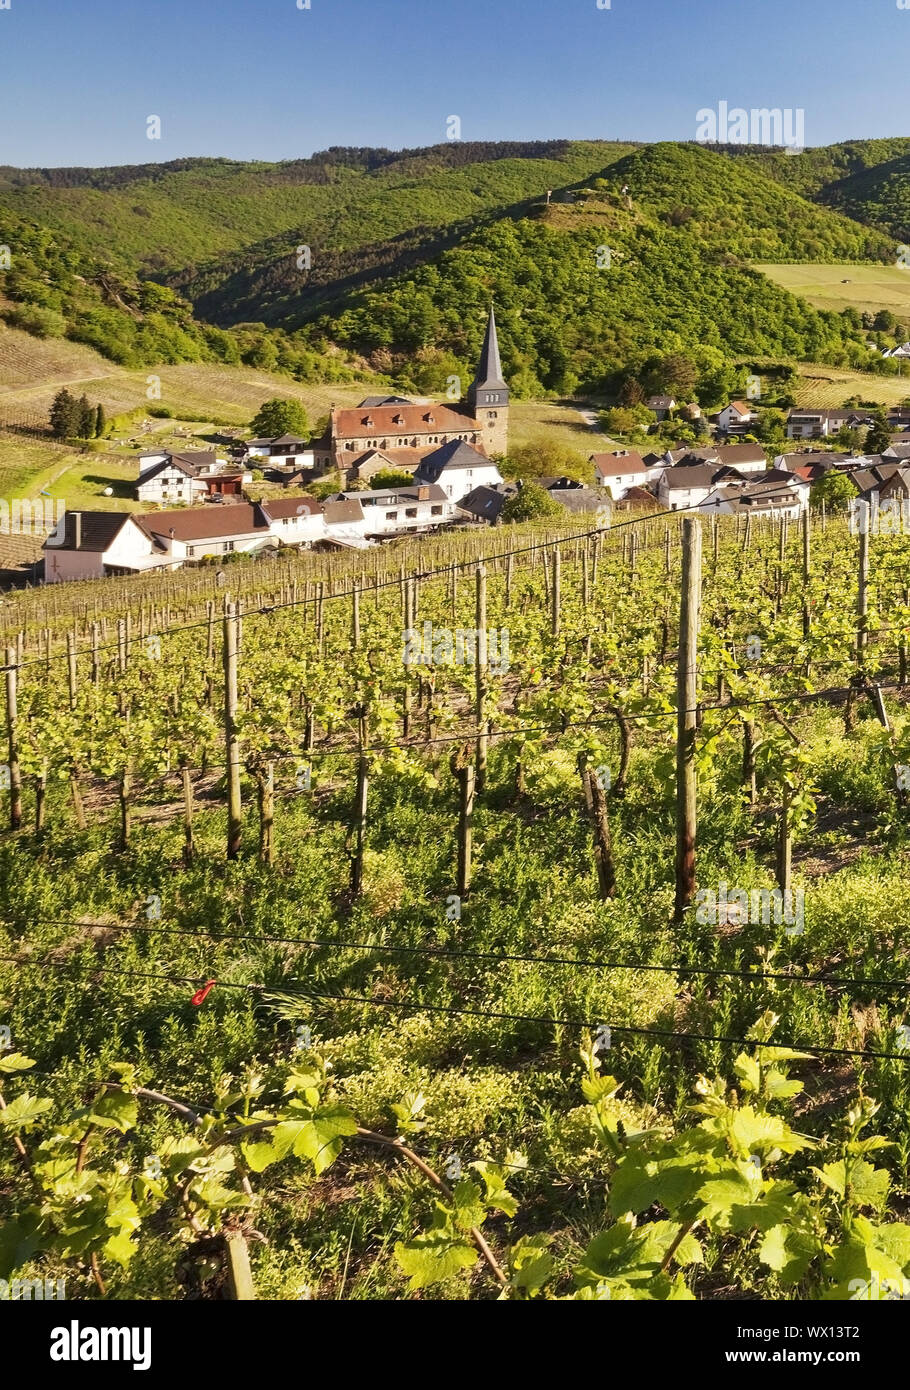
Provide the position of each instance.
(488, 395)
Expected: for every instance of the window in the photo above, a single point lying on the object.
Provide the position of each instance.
(190, 550)
(410, 511)
(391, 516)
(229, 545)
(436, 511)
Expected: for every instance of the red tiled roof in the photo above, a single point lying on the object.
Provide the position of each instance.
(203, 523)
(278, 507)
(391, 420)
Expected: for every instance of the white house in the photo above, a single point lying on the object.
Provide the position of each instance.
(290, 451)
(402, 510)
(295, 520)
(748, 459)
(821, 424)
(91, 545)
(736, 417)
(457, 468)
(776, 497)
(622, 470)
(687, 486)
(198, 532)
(165, 477)
(345, 523)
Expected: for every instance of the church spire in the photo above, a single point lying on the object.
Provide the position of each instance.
(488, 395)
(489, 370)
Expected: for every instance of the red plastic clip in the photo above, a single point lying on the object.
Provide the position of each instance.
(200, 995)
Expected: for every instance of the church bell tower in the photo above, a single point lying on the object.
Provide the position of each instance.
(488, 395)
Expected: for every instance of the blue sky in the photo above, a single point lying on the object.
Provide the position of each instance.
(262, 79)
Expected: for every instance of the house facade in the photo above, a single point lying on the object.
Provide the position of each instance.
(822, 424)
(403, 510)
(457, 468)
(173, 478)
(313, 458)
(736, 417)
(623, 469)
(94, 545)
(687, 486)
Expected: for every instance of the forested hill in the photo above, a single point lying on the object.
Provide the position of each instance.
(867, 179)
(727, 205)
(680, 225)
(171, 219)
(407, 247)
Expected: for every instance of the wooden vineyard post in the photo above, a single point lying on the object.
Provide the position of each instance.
(509, 560)
(240, 1277)
(96, 659)
(360, 808)
(210, 614)
(556, 592)
(807, 569)
(596, 802)
(231, 741)
(480, 672)
(188, 846)
(784, 845)
(864, 514)
(265, 782)
(686, 696)
(12, 719)
(464, 775)
(41, 800)
(407, 599)
(121, 645)
(862, 587)
(355, 615)
(749, 781)
(71, 667)
(124, 792)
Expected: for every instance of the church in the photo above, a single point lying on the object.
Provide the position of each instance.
(392, 432)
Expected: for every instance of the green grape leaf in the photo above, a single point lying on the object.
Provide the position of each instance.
(23, 1111)
(432, 1257)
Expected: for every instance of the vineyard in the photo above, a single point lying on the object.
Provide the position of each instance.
(516, 914)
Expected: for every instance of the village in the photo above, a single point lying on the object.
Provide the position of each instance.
(445, 459)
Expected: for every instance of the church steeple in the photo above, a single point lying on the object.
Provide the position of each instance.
(488, 396)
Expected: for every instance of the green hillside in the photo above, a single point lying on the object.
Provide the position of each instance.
(56, 289)
(678, 279)
(141, 262)
(171, 218)
(868, 180)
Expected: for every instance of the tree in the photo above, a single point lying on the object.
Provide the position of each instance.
(85, 420)
(878, 436)
(834, 489)
(884, 321)
(64, 415)
(674, 374)
(277, 417)
(627, 419)
(391, 477)
(849, 440)
(547, 458)
(528, 503)
(631, 393)
(772, 425)
(100, 421)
